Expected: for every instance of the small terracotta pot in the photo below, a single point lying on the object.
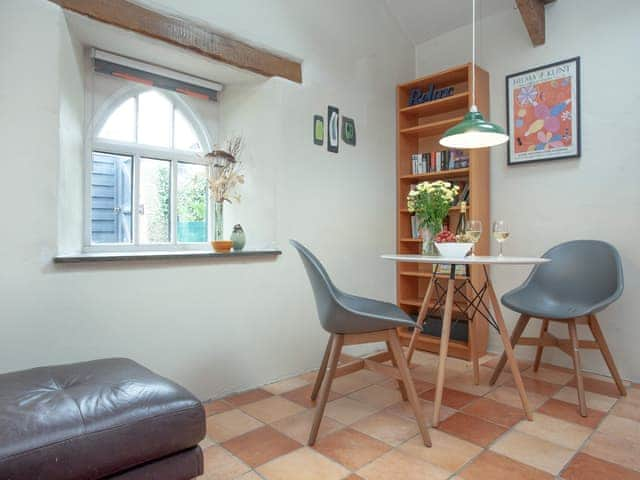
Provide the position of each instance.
(222, 246)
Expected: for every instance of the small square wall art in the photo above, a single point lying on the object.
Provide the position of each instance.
(332, 129)
(318, 129)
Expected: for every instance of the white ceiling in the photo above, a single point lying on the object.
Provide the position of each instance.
(423, 20)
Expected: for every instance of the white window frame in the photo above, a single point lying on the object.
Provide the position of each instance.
(137, 151)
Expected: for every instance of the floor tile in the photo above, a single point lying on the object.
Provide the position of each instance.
(447, 452)
(464, 382)
(404, 410)
(348, 411)
(550, 375)
(629, 406)
(216, 406)
(302, 396)
(493, 362)
(603, 387)
(424, 358)
(472, 429)
(396, 464)
(302, 464)
(492, 466)
(309, 376)
(538, 386)
(377, 396)
(272, 409)
(533, 451)
(510, 396)
(250, 396)
(353, 476)
(495, 412)
(355, 381)
(261, 445)
(351, 448)
(566, 434)
(621, 427)
(569, 412)
(451, 398)
(227, 425)
(249, 476)
(298, 426)
(219, 464)
(389, 428)
(586, 467)
(286, 385)
(614, 449)
(597, 401)
(205, 443)
(420, 385)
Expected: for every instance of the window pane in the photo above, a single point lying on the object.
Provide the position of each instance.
(111, 198)
(155, 113)
(154, 200)
(121, 123)
(184, 138)
(192, 205)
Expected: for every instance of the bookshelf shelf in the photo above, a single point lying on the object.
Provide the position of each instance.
(444, 174)
(430, 129)
(459, 100)
(418, 130)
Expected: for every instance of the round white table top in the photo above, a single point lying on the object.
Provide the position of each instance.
(468, 260)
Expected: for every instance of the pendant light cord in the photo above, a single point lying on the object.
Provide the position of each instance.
(473, 57)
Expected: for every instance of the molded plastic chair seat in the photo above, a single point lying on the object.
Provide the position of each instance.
(583, 277)
(370, 315)
(541, 305)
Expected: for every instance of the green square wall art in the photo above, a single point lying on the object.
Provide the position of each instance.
(318, 129)
(348, 131)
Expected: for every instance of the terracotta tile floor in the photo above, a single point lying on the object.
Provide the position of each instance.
(368, 432)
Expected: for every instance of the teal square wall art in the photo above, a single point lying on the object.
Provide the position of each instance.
(348, 131)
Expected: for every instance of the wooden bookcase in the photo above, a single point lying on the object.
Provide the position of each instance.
(419, 130)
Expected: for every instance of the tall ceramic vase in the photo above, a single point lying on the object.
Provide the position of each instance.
(428, 239)
(218, 226)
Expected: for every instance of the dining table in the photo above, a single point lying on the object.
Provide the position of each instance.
(474, 304)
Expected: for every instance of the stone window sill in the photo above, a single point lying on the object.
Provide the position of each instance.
(160, 255)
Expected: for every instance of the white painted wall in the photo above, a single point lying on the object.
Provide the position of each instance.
(215, 327)
(596, 196)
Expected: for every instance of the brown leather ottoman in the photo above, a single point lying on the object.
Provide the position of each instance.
(108, 418)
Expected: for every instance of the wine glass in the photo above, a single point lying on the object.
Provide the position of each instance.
(500, 233)
(473, 232)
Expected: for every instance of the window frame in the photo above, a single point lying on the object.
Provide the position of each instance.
(137, 151)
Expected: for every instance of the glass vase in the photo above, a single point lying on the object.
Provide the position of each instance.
(428, 239)
(218, 225)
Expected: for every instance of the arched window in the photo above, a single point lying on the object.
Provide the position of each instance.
(148, 175)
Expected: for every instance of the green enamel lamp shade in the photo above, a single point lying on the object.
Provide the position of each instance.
(474, 132)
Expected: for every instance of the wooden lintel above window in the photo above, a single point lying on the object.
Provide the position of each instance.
(186, 34)
(533, 16)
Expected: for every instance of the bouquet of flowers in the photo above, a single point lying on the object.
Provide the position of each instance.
(224, 168)
(430, 202)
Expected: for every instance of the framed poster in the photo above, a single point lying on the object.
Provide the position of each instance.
(543, 113)
(332, 129)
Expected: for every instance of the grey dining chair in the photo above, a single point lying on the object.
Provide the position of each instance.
(582, 279)
(352, 320)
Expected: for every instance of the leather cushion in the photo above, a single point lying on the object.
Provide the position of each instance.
(93, 419)
(185, 465)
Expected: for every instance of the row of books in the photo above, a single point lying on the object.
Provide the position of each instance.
(438, 161)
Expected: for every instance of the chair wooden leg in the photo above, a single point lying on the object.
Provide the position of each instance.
(444, 348)
(401, 387)
(403, 368)
(336, 348)
(322, 370)
(606, 353)
(515, 336)
(543, 330)
(575, 354)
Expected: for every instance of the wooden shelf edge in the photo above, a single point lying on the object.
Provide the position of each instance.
(459, 100)
(433, 128)
(453, 173)
(462, 70)
(431, 344)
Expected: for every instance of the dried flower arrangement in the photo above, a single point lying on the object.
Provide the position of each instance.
(224, 170)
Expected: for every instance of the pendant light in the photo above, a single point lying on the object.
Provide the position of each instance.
(473, 131)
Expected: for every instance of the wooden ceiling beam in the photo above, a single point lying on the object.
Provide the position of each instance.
(532, 12)
(186, 34)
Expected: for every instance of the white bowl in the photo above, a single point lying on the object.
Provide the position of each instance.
(454, 250)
